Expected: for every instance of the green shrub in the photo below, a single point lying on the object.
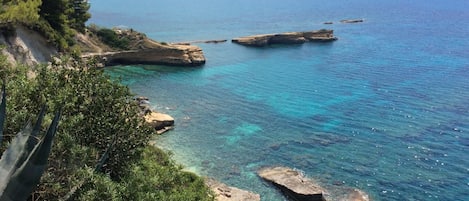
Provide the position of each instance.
(157, 177)
(110, 37)
(97, 111)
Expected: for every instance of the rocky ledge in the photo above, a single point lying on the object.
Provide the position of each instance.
(161, 122)
(140, 50)
(174, 55)
(300, 188)
(229, 193)
(322, 35)
(293, 184)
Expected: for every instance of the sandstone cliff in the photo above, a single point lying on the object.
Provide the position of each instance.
(25, 46)
(141, 50)
(286, 38)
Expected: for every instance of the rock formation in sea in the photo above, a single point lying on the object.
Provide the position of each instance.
(160, 121)
(298, 187)
(322, 35)
(293, 184)
(224, 192)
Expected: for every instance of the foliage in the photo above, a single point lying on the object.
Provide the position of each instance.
(80, 14)
(57, 20)
(154, 177)
(20, 11)
(97, 112)
(110, 37)
(157, 177)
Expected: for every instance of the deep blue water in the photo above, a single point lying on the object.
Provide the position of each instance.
(384, 109)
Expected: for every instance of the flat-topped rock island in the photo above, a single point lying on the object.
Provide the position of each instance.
(323, 35)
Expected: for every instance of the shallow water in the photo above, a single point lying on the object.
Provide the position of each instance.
(384, 109)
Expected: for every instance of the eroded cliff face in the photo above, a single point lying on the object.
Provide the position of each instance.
(174, 55)
(26, 46)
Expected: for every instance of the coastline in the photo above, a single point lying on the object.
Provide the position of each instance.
(363, 85)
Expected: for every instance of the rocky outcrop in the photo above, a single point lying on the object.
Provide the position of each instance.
(322, 35)
(140, 50)
(224, 192)
(299, 188)
(352, 21)
(293, 184)
(161, 122)
(174, 55)
(25, 46)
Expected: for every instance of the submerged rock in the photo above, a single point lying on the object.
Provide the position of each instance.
(224, 192)
(293, 183)
(286, 38)
(356, 195)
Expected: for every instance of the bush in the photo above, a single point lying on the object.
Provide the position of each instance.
(157, 177)
(98, 115)
(110, 37)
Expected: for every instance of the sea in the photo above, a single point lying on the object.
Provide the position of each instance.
(384, 109)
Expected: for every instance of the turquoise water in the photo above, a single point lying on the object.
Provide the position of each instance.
(384, 109)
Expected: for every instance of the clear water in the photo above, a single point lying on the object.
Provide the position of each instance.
(384, 109)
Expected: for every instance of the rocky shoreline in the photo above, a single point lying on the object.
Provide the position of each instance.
(173, 55)
(26, 46)
(262, 40)
(140, 50)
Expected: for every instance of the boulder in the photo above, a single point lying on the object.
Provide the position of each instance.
(224, 192)
(161, 122)
(286, 38)
(293, 183)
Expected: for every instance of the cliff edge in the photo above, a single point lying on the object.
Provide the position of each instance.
(139, 50)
